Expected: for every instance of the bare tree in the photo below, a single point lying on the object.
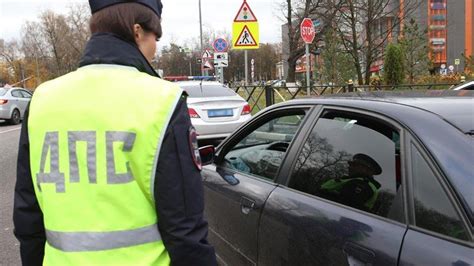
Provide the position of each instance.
(55, 43)
(366, 26)
(55, 29)
(295, 12)
(34, 48)
(12, 56)
(78, 34)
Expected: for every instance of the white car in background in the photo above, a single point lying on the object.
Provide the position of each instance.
(215, 110)
(13, 103)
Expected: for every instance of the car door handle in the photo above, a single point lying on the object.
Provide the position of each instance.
(246, 205)
(358, 253)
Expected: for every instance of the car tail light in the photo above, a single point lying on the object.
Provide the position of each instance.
(193, 113)
(246, 110)
(3, 101)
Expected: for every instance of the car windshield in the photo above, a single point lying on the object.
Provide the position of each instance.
(195, 91)
(3, 91)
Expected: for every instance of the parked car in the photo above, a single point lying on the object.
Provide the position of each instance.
(13, 103)
(361, 179)
(277, 83)
(215, 110)
(465, 86)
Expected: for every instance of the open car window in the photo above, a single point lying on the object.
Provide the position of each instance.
(352, 159)
(261, 151)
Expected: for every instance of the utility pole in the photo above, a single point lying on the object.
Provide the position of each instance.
(200, 30)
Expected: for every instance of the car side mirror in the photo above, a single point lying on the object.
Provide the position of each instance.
(207, 154)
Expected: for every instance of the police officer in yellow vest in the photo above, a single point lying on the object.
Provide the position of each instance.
(108, 172)
(358, 189)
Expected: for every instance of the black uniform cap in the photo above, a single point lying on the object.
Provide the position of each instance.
(154, 5)
(368, 162)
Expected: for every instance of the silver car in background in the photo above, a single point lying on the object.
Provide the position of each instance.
(13, 103)
(215, 110)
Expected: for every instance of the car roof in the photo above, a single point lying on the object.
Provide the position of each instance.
(198, 82)
(455, 107)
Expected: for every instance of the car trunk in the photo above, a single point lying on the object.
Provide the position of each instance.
(217, 109)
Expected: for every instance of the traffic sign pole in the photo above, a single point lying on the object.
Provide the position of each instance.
(221, 76)
(246, 68)
(307, 34)
(252, 70)
(307, 71)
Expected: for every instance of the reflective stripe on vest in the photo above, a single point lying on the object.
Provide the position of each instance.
(95, 241)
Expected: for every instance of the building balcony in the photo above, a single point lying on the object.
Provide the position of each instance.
(437, 27)
(438, 41)
(438, 17)
(438, 6)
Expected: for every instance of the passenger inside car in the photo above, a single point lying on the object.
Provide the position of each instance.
(359, 189)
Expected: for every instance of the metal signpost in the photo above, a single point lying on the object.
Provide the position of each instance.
(457, 62)
(220, 56)
(307, 34)
(443, 70)
(245, 34)
(252, 70)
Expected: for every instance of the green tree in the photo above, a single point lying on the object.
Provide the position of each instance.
(337, 63)
(416, 51)
(393, 65)
(174, 61)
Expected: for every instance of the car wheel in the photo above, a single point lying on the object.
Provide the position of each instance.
(16, 119)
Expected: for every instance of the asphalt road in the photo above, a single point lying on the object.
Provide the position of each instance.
(9, 137)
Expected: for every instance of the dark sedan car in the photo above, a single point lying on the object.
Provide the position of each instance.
(363, 179)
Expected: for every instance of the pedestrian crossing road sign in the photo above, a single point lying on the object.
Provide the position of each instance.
(245, 35)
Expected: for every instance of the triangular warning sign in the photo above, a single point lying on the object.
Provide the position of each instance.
(245, 38)
(207, 65)
(206, 54)
(245, 14)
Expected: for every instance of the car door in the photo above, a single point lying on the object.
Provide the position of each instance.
(25, 100)
(435, 218)
(239, 183)
(17, 98)
(341, 199)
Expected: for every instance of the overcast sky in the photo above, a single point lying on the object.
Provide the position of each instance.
(180, 17)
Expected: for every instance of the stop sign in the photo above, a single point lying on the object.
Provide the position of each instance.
(307, 30)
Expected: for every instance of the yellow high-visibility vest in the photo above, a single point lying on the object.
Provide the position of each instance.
(95, 136)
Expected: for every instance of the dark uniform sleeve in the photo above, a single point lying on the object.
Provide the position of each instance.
(27, 215)
(179, 196)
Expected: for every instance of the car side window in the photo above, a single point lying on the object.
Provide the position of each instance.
(25, 94)
(17, 93)
(352, 159)
(433, 209)
(261, 152)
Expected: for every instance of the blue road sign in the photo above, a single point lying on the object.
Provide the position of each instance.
(220, 45)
